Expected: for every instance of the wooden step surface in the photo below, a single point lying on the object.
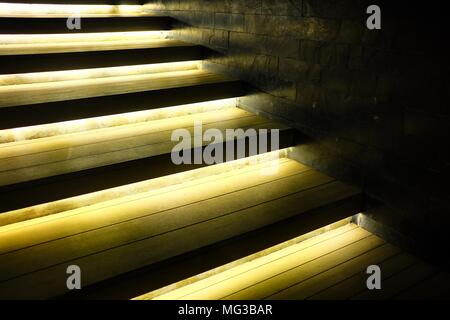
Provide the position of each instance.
(34, 9)
(329, 266)
(82, 46)
(50, 38)
(45, 92)
(117, 236)
(44, 157)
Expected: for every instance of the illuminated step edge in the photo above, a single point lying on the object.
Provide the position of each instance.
(24, 39)
(201, 281)
(87, 46)
(58, 10)
(66, 127)
(46, 79)
(19, 218)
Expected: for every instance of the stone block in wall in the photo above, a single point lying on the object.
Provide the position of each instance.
(261, 44)
(229, 21)
(292, 69)
(216, 39)
(198, 19)
(244, 6)
(302, 28)
(282, 8)
(162, 5)
(223, 6)
(335, 8)
(326, 53)
(310, 28)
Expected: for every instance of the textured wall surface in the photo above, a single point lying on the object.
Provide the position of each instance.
(373, 102)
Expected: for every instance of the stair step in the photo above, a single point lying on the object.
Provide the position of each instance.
(108, 238)
(21, 58)
(32, 98)
(49, 156)
(21, 116)
(52, 165)
(83, 46)
(269, 273)
(298, 269)
(38, 88)
(25, 39)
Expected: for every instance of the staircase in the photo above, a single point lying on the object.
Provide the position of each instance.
(87, 178)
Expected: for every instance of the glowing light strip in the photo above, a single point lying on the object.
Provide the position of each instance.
(16, 219)
(283, 250)
(66, 127)
(32, 9)
(84, 46)
(9, 39)
(96, 73)
(45, 212)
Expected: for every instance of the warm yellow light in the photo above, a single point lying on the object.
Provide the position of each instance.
(27, 9)
(254, 269)
(84, 150)
(134, 206)
(57, 90)
(41, 79)
(15, 39)
(59, 209)
(85, 46)
(66, 127)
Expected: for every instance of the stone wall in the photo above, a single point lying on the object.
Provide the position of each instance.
(373, 102)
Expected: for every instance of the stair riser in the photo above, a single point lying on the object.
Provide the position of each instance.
(88, 24)
(97, 59)
(73, 184)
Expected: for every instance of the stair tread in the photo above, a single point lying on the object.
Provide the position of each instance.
(297, 271)
(16, 39)
(83, 46)
(263, 276)
(35, 93)
(43, 157)
(83, 15)
(30, 10)
(142, 228)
